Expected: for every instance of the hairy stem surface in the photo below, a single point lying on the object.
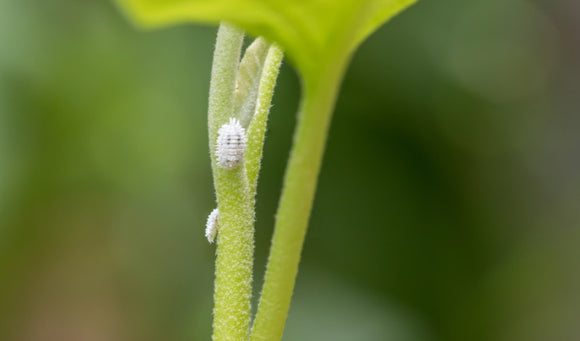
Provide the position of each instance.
(296, 201)
(235, 242)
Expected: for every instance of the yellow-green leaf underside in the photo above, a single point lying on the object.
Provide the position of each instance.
(310, 31)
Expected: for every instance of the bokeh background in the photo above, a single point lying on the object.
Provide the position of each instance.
(448, 206)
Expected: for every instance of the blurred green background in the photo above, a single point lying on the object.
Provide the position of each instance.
(448, 205)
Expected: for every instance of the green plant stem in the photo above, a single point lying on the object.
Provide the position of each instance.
(320, 95)
(235, 242)
(257, 129)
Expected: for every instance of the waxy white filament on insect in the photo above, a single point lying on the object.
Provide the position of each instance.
(211, 227)
(231, 144)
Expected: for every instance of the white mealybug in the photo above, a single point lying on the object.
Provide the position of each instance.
(231, 144)
(211, 227)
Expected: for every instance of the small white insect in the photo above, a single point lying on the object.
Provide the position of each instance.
(211, 227)
(231, 144)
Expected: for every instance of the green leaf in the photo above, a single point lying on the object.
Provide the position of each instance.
(311, 32)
